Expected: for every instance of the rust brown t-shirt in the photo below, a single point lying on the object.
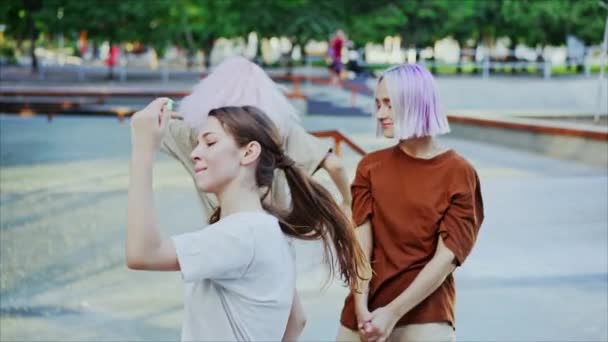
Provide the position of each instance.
(410, 202)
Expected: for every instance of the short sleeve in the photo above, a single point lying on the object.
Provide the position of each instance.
(305, 149)
(461, 221)
(362, 205)
(217, 252)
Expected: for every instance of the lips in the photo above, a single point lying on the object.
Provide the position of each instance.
(387, 124)
(199, 169)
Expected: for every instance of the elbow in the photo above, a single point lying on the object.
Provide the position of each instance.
(333, 164)
(301, 323)
(135, 262)
(445, 257)
(295, 326)
(446, 260)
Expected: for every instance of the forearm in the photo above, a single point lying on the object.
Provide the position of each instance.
(337, 173)
(362, 295)
(428, 280)
(142, 231)
(365, 238)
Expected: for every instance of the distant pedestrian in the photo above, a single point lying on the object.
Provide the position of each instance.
(336, 44)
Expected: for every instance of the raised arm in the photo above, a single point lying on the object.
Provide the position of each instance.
(336, 170)
(145, 249)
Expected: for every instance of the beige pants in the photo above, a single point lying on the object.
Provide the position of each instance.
(427, 332)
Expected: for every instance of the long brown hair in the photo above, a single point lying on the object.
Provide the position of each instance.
(314, 214)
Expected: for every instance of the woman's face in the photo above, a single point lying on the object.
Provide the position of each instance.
(216, 158)
(384, 110)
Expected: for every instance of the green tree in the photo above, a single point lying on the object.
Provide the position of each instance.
(550, 21)
(299, 20)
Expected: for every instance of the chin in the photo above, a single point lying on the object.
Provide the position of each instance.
(388, 134)
(204, 186)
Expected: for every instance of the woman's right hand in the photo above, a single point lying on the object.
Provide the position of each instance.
(363, 316)
(148, 125)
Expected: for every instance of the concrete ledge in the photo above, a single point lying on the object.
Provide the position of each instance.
(584, 143)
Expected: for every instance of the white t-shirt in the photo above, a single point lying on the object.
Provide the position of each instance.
(239, 276)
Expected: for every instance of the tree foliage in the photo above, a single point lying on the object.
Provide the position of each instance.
(195, 24)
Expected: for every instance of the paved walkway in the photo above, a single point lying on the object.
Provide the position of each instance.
(497, 96)
(538, 273)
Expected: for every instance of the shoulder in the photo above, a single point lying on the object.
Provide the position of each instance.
(461, 168)
(265, 232)
(238, 225)
(250, 224)
(458, 161)
(375, 158)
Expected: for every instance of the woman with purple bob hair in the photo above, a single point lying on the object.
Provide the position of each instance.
(418, 208)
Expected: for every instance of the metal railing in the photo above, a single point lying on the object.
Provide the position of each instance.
(55, 101)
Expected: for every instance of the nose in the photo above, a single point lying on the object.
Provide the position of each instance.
(382, 113)
(195, 155)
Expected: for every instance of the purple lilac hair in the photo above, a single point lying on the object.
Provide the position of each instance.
(414, 99)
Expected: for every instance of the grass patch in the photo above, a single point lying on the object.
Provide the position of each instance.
(470, 68)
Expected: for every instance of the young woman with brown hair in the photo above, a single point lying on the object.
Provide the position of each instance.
(239, 271)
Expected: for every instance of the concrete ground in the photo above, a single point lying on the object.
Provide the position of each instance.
(465, 94)
(539, 271)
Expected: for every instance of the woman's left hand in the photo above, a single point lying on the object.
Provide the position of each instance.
(148, 125)
(379, 329)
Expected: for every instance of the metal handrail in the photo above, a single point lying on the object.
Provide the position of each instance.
(339, 138)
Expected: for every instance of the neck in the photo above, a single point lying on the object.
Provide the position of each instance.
(424, 147)
(235, 198)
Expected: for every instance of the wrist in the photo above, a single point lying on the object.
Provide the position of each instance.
(361, 310)
(142, 156)
(140, 146)
(394, 311)
(360, 300)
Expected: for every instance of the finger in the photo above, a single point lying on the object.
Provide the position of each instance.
(363, 322)
(176, 115)
(158, 104)
(373, 335)
(163, 118)
(373, 332)
(369, 335)
(371, 338)
(162, 100)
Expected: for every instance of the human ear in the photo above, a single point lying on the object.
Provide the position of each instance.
(251, 152)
